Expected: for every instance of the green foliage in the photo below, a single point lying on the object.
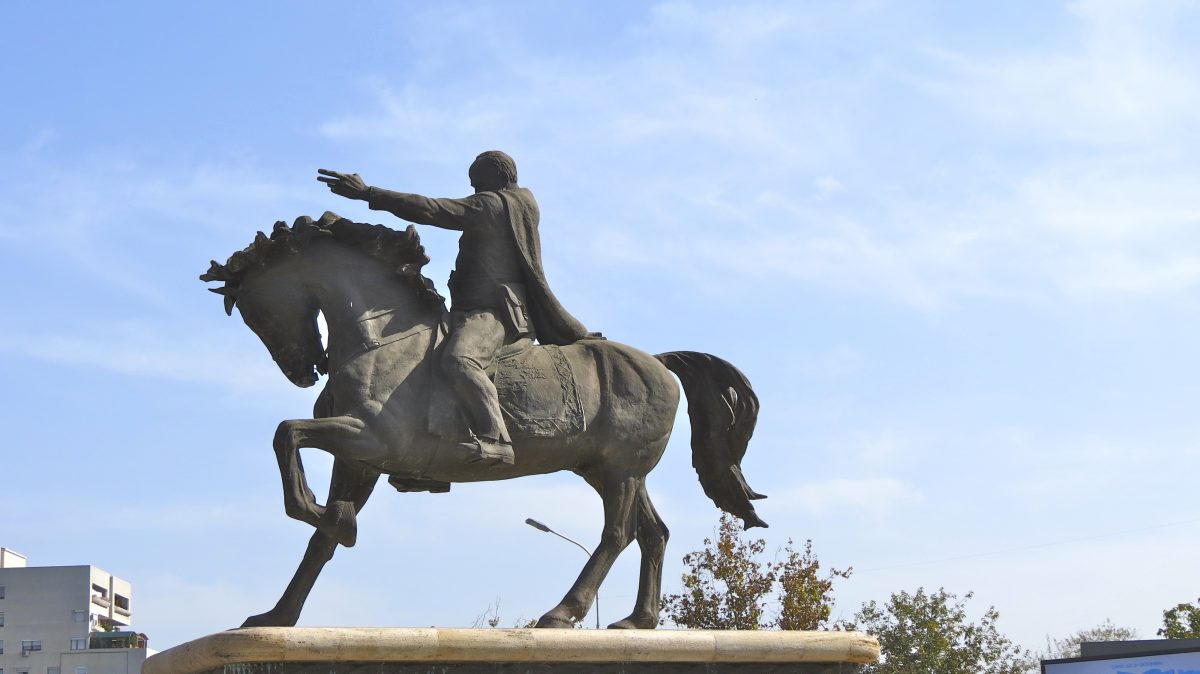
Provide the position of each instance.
(929, 632)
(1181, 622)
(806, 599)
(727, 587)
(490, 616)
(1069, 647)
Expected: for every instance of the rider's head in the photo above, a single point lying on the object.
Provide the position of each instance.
(492, 170)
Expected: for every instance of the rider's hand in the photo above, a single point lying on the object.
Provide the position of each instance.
(347, 185)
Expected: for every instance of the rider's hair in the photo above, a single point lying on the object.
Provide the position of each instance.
(499, 164)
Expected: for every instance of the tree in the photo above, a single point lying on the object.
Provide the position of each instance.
(929, 632)
(727, 587)
(1069, 647)
(1181, 622)
(806, 599)
(491, 618)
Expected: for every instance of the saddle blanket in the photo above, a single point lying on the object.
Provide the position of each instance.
(538, 397)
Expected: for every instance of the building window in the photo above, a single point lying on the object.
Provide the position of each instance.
(81, 670)
(1, 650)
(1, 592)
(1, 620)
(31, 645)
(79, 644)
(79, 616)
(53, 670)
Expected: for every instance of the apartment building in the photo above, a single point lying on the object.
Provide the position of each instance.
(65, 620)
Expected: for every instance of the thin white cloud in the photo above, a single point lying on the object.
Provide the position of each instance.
(117, 204)
(1077, 578)
(840, 360)
(213, 605)
(827, 186)
(874, 497)
(193, 518)
(177, 353)
(1117, 82)
(1105, 225)
(1095, 465)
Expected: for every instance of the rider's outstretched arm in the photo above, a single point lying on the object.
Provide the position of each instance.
(456, 214)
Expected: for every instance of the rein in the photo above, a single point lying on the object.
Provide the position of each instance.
(385, 312)
(367, 346)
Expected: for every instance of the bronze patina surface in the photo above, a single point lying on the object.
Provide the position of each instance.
(411, 388)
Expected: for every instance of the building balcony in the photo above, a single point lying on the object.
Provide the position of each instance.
(104, 640)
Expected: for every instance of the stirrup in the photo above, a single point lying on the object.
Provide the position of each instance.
(491, 452)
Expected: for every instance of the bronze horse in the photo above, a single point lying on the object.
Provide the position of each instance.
(385, 323)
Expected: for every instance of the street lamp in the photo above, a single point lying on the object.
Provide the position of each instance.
(542, 527)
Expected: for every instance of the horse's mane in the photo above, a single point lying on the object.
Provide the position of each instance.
(399, 249)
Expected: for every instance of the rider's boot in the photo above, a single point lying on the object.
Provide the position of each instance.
(465, 363)
(489, 442)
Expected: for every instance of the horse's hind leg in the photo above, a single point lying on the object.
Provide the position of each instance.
(652, 539)
(619, 495)
(351, 483)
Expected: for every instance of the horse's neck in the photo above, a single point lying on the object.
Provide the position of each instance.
(365, 303)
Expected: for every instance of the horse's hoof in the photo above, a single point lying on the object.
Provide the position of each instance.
(634, 623)
(554, 622)
(339, 522)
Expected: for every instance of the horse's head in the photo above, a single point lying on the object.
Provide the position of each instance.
(283, 313)
(266, 283)
(269, 283)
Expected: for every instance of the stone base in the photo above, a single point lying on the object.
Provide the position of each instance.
(338, 650)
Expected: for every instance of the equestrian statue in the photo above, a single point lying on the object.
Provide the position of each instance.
(430, 396)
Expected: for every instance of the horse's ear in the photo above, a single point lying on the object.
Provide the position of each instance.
(216, 272)
(230, 296)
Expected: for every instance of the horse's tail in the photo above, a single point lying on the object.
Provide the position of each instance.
(723, 410)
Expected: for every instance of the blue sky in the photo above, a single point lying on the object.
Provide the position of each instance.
(955, 248)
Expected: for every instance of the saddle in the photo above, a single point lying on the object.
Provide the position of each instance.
(537, 390)
(538, 398)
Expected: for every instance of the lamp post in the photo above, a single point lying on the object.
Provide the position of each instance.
(542, 527)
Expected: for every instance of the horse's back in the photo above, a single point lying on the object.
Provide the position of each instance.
(565, 406)
(627, 400)
(624, 389)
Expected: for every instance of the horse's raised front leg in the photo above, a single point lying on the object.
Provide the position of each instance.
(349, 483)
(345, 437)
(619, 495)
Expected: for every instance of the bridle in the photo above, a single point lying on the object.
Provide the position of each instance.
(366, 346)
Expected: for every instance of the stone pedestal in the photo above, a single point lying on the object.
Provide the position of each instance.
(340, 650)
